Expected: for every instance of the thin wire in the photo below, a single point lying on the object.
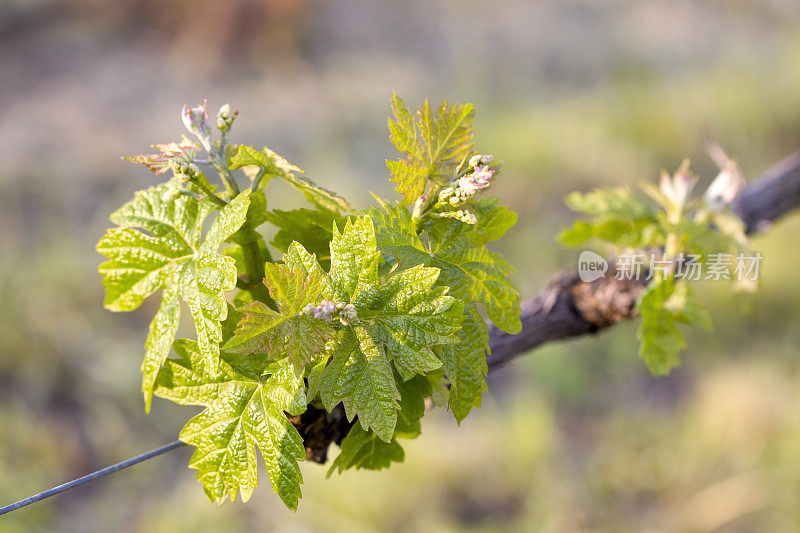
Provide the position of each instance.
(85, 479)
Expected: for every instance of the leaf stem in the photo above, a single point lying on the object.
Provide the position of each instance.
(218, 161)
(423, 205)
(222, 169)
(257, 180)
(209, 193)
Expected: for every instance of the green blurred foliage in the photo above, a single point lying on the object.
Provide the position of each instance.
(570, 95)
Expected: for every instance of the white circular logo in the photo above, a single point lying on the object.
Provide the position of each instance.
(591, 266)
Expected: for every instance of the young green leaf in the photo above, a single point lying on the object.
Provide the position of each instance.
(474, 274)
(288, 332)
(273, 165)
(413, 393)
(408, 316)
(465, 364)
(309, 227)
(157, 247)
(244, 409)
(468, 268)
(360, 376)
(493, 221)
(620, 218)
(618, 201)
(354, 261)
(298, 258)
(446, 133)
(665, 304)
(432, 153)
(396, 236)
(256, 216)
(398, 321)
(362, 449)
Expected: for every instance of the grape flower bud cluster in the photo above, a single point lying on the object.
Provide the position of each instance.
(456, 194)
(327, 309)
(185, 170)
(225, 118)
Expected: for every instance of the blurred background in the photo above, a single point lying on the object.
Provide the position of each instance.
(570, 94)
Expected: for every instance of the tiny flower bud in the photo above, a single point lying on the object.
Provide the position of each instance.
(324, 310)
(170, 194)
(196, 119)
(178, 167)
(475, 160)
(678, 187)
(486, 159)
(348, 314)
(225, 111)
(446, 193)
(192, 169)
(309, 309)
(725, 187)
(476, 181)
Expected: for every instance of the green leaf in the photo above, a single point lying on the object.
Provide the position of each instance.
(309, 227)
(412, 405)
(620, 218)
(298, 258)
(686, 308)
(157, 247)
(359, 375)
(244, 409)
(618, 201)
(288, 332)
(493, 221)
(465, 364)
(410, 176)
(398, 321)
(158, 344)
(402, 131)
(699, 237)
(408, 316)
(434, 144)
(362, 449)
(395, 235)
(446, 133)
(474, 274)
(354, 260)
(620, 231)
(665, 304)
(230, 322)
(247, 262)
(274, 165)
(255, 217)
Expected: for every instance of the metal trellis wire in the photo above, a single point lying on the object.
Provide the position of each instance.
(94, 475)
